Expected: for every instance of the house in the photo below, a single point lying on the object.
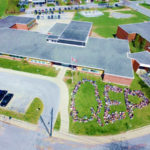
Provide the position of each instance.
(129, 32)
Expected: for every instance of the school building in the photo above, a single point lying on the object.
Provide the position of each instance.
(107, 58)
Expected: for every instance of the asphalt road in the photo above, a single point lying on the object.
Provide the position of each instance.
(14, 138)
(25, 89)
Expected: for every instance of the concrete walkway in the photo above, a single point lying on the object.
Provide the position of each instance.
(63, 109)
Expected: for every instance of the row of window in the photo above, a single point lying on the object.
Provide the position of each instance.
(90, 70)
(31, 24)
(39, 61)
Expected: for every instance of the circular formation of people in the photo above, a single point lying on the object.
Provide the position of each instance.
(108, 118)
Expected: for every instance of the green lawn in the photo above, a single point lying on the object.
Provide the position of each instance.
(26, 67)
(145, 5)
(3, 6)
(32, 114)
(58, 122)
(85, 99)
(8, 7)
(106, 26)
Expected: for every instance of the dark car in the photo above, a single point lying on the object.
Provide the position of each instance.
(6, 99)
(2, 94)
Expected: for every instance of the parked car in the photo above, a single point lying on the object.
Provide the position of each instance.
(6, 99)
(2, 94)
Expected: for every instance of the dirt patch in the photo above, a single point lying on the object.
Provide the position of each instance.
(96, 35)
(124, 9)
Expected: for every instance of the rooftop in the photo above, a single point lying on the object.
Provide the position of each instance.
(107, 54)
(75, 33)
(143, 58)
(142, 29)
(11, 20)
(58, 29)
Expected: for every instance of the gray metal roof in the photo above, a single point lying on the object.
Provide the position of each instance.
(107, 54)
(58, 28)
(11, 20)
(142, 29)
(141, 57)
(76, 31)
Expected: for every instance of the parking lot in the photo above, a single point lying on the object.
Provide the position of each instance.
(44, 24)
(26, 88)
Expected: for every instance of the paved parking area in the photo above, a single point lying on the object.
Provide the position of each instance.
(44, 25)
(26, 88)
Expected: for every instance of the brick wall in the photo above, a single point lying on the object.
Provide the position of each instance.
(20, 27)
(135, 65)
(147, 46)
(9, 57)
(121, 34)
(131, 37)
(118, 80)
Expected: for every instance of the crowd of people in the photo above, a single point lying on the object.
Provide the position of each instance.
(74, 112)
(108, 117)
(130, 106)
(111, 118)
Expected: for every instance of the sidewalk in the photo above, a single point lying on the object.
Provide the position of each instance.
(63, 106)
(92, 140)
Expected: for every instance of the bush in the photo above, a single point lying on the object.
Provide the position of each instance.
(69, 81)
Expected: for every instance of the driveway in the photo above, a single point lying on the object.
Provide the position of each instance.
(26, 88)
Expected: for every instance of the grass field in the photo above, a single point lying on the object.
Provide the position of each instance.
(106, 26)
(32, 114)
(85, 99)
(26, 67)
(8, 7)
(145, 5)
(58, 122)
(3, 6)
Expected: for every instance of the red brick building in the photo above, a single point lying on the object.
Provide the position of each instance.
(140, 60)
(20, 23)
(102, 57)
(129, 32)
